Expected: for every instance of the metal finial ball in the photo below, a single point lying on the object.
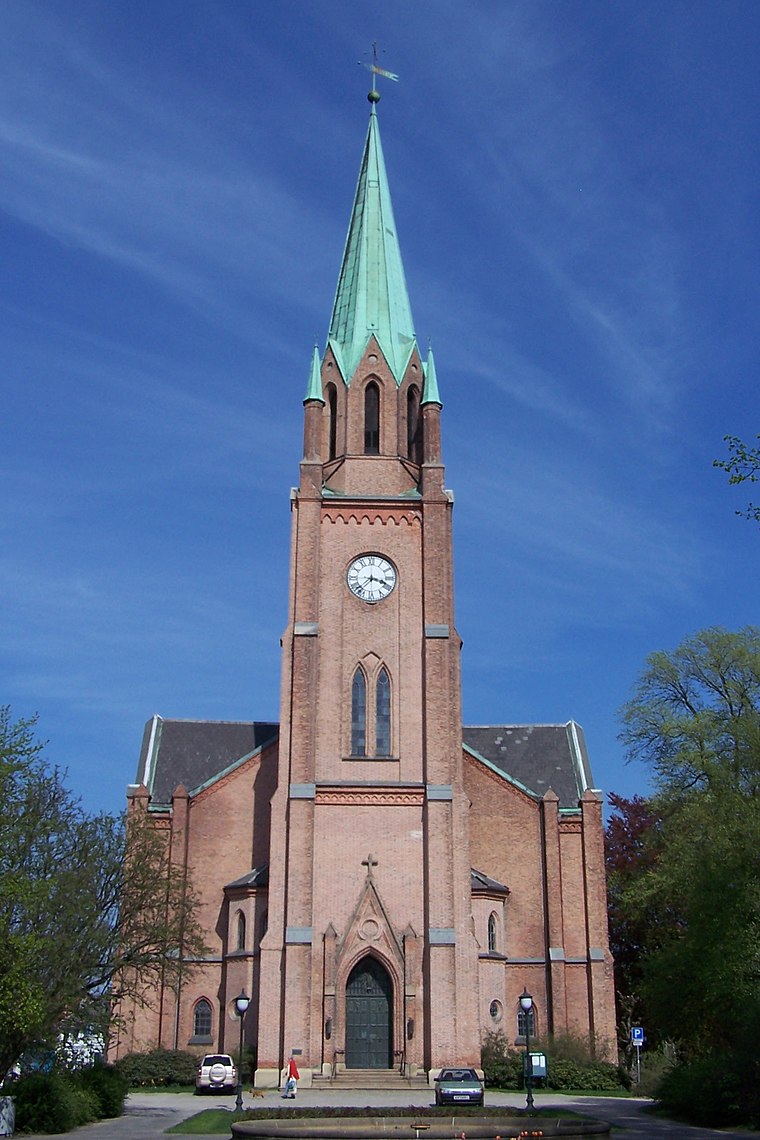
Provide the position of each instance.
(374, 96)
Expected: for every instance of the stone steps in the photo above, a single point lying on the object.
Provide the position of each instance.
(388, 1079)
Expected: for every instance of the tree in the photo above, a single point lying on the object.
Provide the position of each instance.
(695, 718)
(632, 840)
(90, 911)
(743, 466)
(694, 714)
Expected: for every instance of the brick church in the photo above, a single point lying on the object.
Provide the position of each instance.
(381, 881)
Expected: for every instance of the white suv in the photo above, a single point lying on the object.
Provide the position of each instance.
(216, 1071)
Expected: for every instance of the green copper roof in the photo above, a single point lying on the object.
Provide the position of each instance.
(314, 389)
(371, 296)
(430, 390)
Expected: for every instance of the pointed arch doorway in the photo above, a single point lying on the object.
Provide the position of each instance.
(369, 1016)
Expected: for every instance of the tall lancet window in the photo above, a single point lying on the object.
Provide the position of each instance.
(332, 411)
(383, 714)
(413, 425)
(372, 419)
(359, 714)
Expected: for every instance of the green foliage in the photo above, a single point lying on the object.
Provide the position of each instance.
(89, 910)
(742, 466)
(53, 1102)
(502, 1066)
(569, 1065)
(158, 1068)
(598, 1076)
(694, 901)
(655, 1064)
(717, 1089)
(109, 1087)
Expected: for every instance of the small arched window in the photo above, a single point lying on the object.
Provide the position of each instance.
(202, 1019)
(372, 419)
(383, 714)
(240, 930)
(332, 411)
(492, 934)
(526, 1020)
(359, 714)
(413, 425)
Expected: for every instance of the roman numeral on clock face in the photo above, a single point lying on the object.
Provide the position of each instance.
(371, 577)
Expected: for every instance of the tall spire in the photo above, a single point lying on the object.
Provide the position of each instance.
(371, 297)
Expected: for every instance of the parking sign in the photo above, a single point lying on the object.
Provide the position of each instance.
(637, 1034)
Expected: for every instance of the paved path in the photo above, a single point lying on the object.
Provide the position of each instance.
(148, 1115)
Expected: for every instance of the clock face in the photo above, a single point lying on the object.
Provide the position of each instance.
(371, 577)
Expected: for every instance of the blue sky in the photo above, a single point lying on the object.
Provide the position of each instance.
(575, 187)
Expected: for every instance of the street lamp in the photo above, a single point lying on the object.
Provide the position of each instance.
(241, 1005)
(526, 1005)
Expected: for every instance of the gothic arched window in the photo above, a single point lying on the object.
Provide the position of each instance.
(359, 714)
(202, 1018)
(332, 411)
(413, 425)
(526, 1020)
(372, 419)
(383, 714)
(240, 930)
(492, 934)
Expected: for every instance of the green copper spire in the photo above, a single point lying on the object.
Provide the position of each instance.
(371, 296)
(314, 389)
(430, 389)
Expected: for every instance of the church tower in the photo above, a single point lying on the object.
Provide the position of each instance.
(387, 883)
(369, 958)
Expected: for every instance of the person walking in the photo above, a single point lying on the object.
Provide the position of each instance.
(291, 1084)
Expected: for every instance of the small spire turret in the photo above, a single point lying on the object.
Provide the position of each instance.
(314, 387)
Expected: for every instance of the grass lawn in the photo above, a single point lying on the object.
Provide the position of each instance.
(210, 1122)
(216, 1121)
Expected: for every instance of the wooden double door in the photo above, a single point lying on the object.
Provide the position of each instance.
(369, 1016)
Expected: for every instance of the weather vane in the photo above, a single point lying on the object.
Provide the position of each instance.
(374, 95)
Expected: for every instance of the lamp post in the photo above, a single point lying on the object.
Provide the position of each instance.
(526, 1005)
(241, 1005)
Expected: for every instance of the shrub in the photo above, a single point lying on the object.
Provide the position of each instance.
(716, 1089)
(502, 1066)
(157, 1068)
(596, 1076)
(655, 1064)
(569, 1065)
(51, 1102)
(107, 1085)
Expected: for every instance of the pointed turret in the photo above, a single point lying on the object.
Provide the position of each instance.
(314, 388)
(430, 394)
(371, 298)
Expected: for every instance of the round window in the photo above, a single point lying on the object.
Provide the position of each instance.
(495, 1010)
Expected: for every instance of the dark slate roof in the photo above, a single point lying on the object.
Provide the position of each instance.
(537, 756)
(258, 877)
(192, 752)
(479, 881)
